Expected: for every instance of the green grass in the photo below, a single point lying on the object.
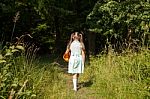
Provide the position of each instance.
(112, 76)
(121, 76)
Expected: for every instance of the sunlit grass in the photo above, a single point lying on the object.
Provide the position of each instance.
(121, 76)
(111, 76)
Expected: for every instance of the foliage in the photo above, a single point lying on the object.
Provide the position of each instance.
(23, 77)
(60, 18)
(11, 84)
(115, 75)
(115, 18)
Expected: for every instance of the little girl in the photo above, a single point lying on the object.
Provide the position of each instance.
(77, 57)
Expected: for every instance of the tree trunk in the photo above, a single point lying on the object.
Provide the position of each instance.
(91, 41)
(58, 36)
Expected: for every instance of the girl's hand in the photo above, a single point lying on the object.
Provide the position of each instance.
(67, 50)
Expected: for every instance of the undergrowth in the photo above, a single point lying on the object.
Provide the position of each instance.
(111, 76)
(121, 76)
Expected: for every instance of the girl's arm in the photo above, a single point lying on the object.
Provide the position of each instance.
(83, 55)
(83, 52)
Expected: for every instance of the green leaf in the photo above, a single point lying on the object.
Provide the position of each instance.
(14, 50)
(4, 79)
(1, 57)
(2, 85)
(2, 61)
(2, 97)
(14, 85)
(8, 54)
(28, 92)
(95, 30)
(8, 75)
(12, 47)
(20, 47)
(33, 95)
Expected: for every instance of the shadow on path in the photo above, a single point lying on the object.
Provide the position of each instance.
(85, 84)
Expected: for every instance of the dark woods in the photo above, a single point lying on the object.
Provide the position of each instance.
(48, 24)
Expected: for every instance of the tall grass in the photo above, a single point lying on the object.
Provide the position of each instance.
(123, 76)
(111, 76)
(21, 78)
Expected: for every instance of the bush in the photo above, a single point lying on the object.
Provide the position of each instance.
(21, 78)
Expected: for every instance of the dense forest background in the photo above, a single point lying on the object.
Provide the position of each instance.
(34, 35)
(50, 23)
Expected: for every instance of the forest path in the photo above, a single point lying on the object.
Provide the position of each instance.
(85, 90)
(84, 87)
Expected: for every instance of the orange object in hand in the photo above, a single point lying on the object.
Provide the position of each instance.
(66, 56)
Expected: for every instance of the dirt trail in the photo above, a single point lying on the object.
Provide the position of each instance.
(84, 91)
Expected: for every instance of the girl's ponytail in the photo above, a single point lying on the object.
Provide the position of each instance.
(70, 41)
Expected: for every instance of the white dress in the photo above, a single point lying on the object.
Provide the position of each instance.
(76, 64)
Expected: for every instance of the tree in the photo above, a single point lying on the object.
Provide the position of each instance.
(113, 19)
(50, 22)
